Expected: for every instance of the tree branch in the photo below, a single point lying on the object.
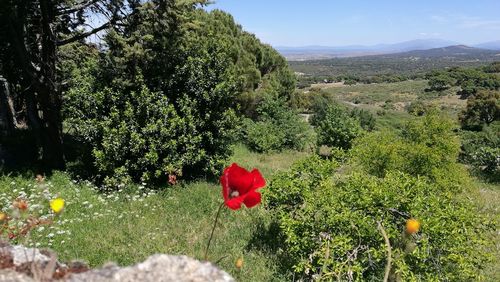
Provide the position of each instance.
(389, 251)
(81, 6)
(83, 35)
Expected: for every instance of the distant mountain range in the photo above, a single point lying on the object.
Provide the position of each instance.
(324, 52)
(450, 52)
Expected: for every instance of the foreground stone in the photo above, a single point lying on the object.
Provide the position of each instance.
(157, 268)
(17, 262)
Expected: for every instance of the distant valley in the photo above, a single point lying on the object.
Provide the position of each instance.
(409, 64)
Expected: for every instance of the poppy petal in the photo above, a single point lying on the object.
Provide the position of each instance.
(258, 180)
(239, 179)
(225, 186)
(234, 203)
(252, 199)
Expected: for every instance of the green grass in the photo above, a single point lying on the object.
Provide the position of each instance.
(128, 226)
(381, 92)
(388, 101)
(268, 164)
(392, 120)
(397, 92)
(489, 196)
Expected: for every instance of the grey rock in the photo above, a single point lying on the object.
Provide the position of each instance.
(21, 254)
(8, 275)
(157, 268)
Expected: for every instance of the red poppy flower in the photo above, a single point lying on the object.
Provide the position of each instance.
(239, 186)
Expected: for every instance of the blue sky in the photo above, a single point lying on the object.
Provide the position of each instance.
(365, 22)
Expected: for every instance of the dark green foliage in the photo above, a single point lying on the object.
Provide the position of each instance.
(493, 68)
(161, 98)
(366, 119)
(482, 109)
(469, 81)
(482, 150)
(384, 68)
(334, 126)
(350, 82)
(278, 127)
(259, 68)
(300, 101)
(440, 81)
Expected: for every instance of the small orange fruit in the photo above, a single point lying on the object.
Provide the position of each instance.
(3, 216)
(239, 263)
(412, 226)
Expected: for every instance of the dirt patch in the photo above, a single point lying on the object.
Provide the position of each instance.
(400, 106)
(404, 96)
(328, 85)
(452, 101)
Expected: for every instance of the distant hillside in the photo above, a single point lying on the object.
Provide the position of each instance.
(459, 52)
(324, 52)
(492, 45)
(406, 63)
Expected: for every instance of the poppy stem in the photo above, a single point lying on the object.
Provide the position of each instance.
(213, 229)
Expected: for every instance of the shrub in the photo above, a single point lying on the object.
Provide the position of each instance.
(277, 127)
(482, 109)
(366, 119)
(482, 150)
(143, 137)
(335, 127)
(263, 136)
(329, 225)
(419, 108)
(441, 82)
(140, 131)
(160, 98)
(425, 147)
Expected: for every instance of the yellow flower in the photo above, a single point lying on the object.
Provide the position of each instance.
(3, 216)
(412, 226)
(57, 205)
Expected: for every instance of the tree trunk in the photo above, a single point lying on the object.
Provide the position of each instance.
(7, 115)
(49, 97)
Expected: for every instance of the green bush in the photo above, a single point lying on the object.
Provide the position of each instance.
(263, 136)
(482, 150)
(278, 127)
(335, 127)
(161, 97)
(440, 82)
(420, 108)
(329, 224)
(366, 119)
(482, 109)
(142, 136)
(425, 147)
